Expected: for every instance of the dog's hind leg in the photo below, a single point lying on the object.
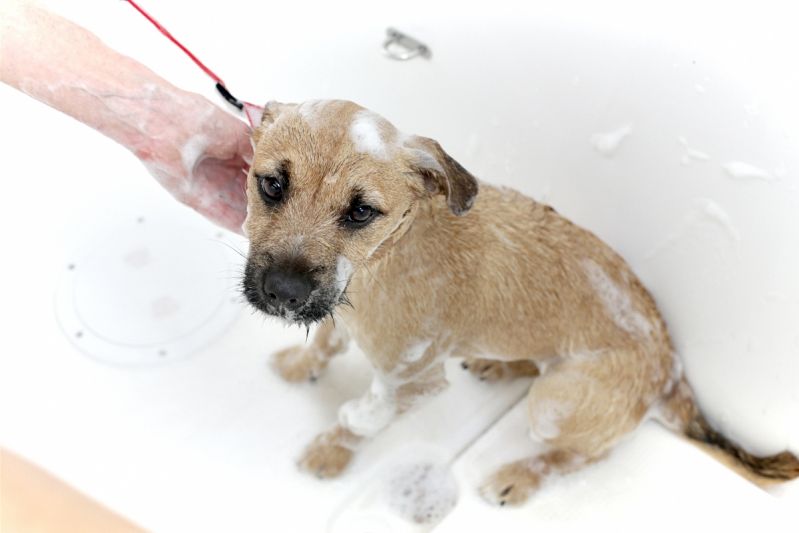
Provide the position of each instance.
(306, 363)
(578, 409)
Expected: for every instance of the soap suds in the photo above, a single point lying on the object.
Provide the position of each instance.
(691, 154)
(717, 214)
(245, 223)
(545, 418)
(310, 111)
(676, 372)
(191, 151)
(502, 237)
(365, 135)
(416, 351)
(616, 301)
(608, 143)
(425, 160)
(423, 493)
(370, 413)
(745, 172)
(704, 209)
(343, 273)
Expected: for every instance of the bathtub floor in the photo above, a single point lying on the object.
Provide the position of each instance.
(208, 442)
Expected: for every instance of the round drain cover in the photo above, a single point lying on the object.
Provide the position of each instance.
(151, 292)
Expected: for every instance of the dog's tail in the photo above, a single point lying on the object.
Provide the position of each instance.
(681, 413)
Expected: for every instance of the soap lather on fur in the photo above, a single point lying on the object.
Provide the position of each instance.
(376, 236)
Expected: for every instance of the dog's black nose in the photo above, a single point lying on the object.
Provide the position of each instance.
(287, 288)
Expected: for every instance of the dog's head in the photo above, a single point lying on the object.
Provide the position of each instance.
(329, 186)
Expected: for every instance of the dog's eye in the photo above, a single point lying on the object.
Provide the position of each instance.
(272, 188)
(360, 215)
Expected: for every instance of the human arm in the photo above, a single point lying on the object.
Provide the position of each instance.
(198, 152)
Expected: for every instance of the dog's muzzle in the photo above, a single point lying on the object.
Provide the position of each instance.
(289, 293)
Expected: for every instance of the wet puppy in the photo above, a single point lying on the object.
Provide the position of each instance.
(349, 217)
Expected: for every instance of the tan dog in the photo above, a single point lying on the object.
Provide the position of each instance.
(345, 209)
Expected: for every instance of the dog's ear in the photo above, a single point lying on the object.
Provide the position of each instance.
(262, 117)
(441, 174)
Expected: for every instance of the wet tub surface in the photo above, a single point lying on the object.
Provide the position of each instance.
(669, 130)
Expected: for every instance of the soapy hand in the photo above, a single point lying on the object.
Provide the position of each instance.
(203, 163)
(198, 152)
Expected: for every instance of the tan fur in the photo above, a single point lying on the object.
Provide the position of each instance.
(511, 282)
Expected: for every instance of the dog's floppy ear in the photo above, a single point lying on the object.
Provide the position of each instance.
(442, 174)
(263, 117)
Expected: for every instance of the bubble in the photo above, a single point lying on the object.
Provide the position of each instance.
(423, 493)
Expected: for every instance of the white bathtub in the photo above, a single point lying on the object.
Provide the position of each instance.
(671, 130)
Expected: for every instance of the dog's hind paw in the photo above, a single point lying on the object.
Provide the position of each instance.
(512, 484)
(297, 364)
(491, 370)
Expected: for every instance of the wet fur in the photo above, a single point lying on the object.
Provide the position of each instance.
(496, 278)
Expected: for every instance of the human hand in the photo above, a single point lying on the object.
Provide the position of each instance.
(195, 150)
(202, 157)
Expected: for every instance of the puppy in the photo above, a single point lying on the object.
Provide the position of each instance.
(350, 219)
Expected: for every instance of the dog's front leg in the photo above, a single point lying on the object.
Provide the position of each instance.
(303, 363)
(390, 394)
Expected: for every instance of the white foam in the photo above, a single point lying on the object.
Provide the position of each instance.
(744, 171)
(616, 300)
(370, 413)
(365, 135)
(416, 351)
(192, 150)
(245, 223)
(717, 214)
(503, 237)
(310, 111)
(344, 271)
(691, 154)
(545, 417)
(423, 493)
(703, 210)
(608, 143)
(425, 160)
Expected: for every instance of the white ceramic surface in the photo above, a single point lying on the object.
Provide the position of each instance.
(671, 129)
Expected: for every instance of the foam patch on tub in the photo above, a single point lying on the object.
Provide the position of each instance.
(423, 492)
(411, 492)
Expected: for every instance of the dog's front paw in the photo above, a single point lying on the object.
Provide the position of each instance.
(325, 457)
(510, 485)
(297, 364)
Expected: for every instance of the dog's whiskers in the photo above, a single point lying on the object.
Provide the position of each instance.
(239, 252)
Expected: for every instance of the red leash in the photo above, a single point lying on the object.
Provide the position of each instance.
(250, 110)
